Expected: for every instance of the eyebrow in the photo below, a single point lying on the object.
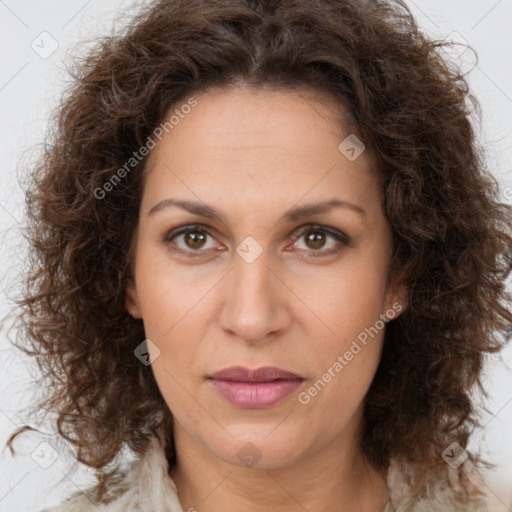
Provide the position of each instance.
(292, 215)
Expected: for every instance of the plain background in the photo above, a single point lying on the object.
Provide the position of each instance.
(31, 81)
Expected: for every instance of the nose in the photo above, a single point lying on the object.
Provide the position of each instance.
(256, 305)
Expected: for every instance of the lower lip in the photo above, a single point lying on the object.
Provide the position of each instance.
(255, 394)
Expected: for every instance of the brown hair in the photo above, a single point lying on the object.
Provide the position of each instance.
(451, 234)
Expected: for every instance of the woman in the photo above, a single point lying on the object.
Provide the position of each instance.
(268, 260)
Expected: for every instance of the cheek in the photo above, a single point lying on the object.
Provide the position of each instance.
(343, 302)
(345, 352)
(173, 313)
(178, 338)
(345, 358)
(170, 294)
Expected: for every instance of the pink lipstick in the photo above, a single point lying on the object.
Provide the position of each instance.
(262, 387)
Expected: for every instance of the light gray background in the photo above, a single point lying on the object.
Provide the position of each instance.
(30, 85)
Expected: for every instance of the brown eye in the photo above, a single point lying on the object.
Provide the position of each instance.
(315, 239)
(190, 240)
(321, 240)
(194, 239)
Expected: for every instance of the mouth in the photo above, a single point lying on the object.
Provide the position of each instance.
(258, 388)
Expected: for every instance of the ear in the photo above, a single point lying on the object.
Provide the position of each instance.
(131, 299)
(396, 300)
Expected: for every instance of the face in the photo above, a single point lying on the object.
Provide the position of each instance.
(260, 244)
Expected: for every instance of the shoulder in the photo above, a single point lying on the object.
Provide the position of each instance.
(442, 489)
(123, 496)
(144, 486)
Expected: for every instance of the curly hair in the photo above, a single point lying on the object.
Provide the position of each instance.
(451, 234)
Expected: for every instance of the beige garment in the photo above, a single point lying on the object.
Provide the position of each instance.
(147, 487)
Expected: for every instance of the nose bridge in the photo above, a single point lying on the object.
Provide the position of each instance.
(253, 307)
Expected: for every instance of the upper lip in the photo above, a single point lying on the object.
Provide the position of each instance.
(263, 374)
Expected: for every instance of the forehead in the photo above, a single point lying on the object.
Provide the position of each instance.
(244, 140)
(240, 118)
(302, 121)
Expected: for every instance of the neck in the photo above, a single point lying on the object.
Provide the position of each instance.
(320, 482)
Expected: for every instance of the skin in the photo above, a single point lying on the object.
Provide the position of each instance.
(253, 156)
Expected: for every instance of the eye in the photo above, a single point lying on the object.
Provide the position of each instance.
(193, 239)
(316, 239)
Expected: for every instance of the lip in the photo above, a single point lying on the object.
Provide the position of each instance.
(258, 388)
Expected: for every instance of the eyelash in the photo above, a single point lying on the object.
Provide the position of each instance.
(338, 235)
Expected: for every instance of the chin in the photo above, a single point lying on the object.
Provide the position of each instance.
(264, 447)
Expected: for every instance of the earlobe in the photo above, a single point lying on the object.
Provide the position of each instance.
(131, 300)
